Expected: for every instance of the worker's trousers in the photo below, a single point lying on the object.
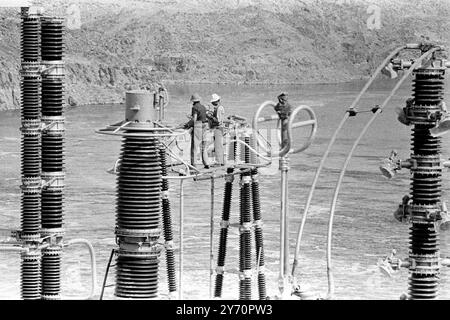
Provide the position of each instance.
(218, 145)
(198, 143)
(284, 132)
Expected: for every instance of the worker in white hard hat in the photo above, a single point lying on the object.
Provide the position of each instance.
(217, 117)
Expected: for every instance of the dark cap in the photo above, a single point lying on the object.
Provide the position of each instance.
(195, 97)
(282, 95)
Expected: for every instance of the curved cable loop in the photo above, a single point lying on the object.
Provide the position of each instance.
(328, 149)
(347, 161)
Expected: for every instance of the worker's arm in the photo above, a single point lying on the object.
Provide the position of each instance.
(194, 114)
(220, 115)
(186, 125)
(190, 123)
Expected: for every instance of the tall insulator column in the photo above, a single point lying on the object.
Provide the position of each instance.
(245, 261)
(167, 224)
(259, 239)
(30, 154)
(233, 148)
(224, 224)
(425, 183)
(250, 157)
(138, 213)
(52, 201)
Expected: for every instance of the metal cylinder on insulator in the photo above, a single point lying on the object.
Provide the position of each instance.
(139, 106)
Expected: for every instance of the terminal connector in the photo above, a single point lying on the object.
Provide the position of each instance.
(389, 166)
(391, 264)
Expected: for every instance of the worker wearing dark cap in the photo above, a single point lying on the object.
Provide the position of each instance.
(283, 109)
(199, 122)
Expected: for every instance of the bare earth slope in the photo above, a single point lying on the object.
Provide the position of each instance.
(134, 43)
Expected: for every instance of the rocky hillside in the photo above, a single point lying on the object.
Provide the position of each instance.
(123, 44)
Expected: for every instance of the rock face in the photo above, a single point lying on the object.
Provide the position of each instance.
(133, 44)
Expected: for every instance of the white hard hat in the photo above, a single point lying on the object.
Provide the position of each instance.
(215, 97)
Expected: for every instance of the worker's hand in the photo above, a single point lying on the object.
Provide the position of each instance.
(180, 126)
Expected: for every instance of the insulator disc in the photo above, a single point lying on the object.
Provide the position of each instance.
(52, 34)
(30, 278)
(30, 43)
(136, 278)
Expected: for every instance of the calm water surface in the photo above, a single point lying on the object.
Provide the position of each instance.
(365, 229)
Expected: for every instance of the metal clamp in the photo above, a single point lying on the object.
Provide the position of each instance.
(245, 274)
(246, 180)
(52, 125)
(224, 224)
(169, 245)
(245, 227)
(424, 115)
(30, 69)
(420, 213)
(31, 185)
(230, 178)
(258, 223)
(53, 180)
(52, 236)
(146, 252)
(31, 127)
(425, 264)
(51, 69)
(220, 270)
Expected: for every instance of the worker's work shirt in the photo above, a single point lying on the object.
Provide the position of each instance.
(219, 114)
(199, 110)
(283, 109)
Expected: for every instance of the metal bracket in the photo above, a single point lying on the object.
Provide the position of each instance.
(53, 180)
